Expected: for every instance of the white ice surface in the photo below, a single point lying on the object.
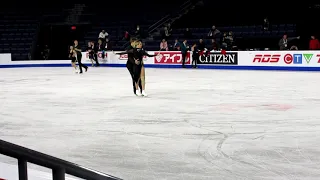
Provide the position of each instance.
(195, 124)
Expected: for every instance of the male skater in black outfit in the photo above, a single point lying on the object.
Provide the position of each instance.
(77, 48)
(131, 63)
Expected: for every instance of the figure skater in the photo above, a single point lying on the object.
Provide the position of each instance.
(73, 58)
(138, 67)
(77, 48)
(130, 64)
(90, 52)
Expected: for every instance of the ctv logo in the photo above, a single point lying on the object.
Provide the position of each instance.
(267, 58)
(297, 58)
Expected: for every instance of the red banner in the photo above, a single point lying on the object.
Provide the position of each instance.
(266, 58)
(166, 57)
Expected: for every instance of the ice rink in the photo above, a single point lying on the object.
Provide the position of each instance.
(195, 124)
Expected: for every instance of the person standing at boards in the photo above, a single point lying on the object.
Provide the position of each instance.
(184, 51)
(77, 48)
(195, 55)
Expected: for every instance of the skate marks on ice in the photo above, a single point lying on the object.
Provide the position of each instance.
(210, 149)
(263, 163)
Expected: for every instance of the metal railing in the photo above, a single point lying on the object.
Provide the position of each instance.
(59, 167)
(186, 5)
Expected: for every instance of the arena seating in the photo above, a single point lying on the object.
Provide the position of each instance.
(19, 27)
(253, 32)
(116, 22)
(17, 33)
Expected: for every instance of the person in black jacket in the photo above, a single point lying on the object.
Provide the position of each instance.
(138, 68)
(195, 55)
(77, 48)
(184, 51)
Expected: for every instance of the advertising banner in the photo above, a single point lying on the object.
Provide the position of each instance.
(280, 58)
(171, 57)
(216, 58)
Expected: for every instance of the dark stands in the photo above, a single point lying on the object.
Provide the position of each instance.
(20, 25)
(118, 17)
(17, 29)
(245, 20)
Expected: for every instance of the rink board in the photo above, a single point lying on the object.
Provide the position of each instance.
(233, 60)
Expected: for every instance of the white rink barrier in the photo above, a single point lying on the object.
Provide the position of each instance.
(249, 60)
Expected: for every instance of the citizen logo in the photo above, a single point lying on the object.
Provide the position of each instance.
(218, 58)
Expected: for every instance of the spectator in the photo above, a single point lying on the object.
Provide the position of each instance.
(201, 45)
(187, 34)
(137, 33)
(266, 24)
(169, 28)
(228, 40)
(214, 45)
(108, 46)
(46, 52)
(294, 48)
(127, 36)
(314, 43)
(225, 40)
(215, 34)
(176, 46)
(283, 43)
(103, 36)
(165, 33)
(164, 45)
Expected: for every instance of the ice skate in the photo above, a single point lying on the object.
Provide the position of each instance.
(144, 93)
(138, 93)
(76, 70)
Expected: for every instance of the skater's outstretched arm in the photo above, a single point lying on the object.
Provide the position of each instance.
(146, 54)
(77, 48)
(129, 51)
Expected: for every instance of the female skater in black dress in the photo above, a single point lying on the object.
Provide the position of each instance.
(73, 58)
